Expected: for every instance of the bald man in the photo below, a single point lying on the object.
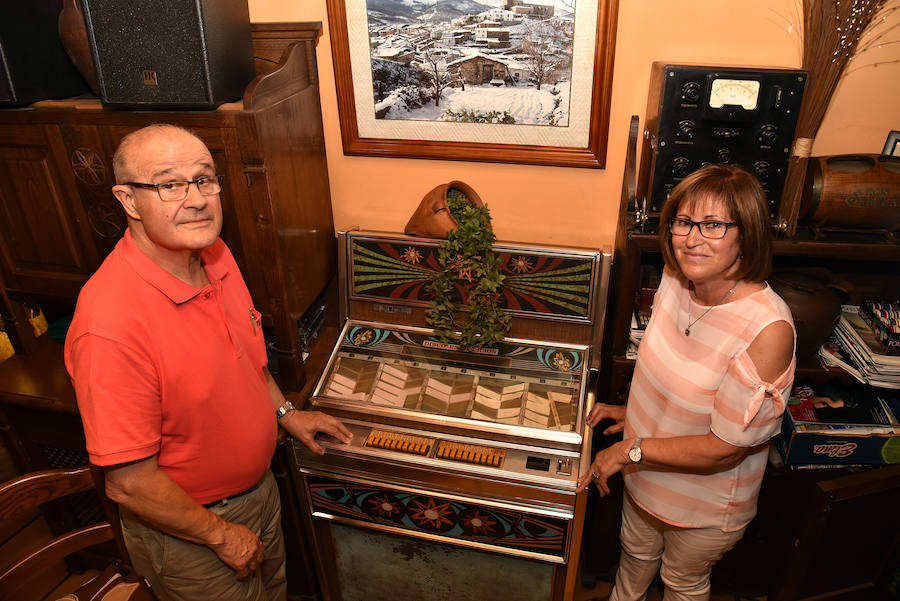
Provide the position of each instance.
(168, 361)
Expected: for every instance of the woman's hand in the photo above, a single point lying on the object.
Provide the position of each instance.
(606, 463)
(601, 411)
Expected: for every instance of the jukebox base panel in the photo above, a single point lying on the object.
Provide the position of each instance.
(375, 566)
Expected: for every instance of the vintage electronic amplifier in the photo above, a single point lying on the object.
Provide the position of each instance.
(462, 471)
(698, 115)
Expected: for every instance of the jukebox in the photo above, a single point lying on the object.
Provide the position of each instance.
(460, 479)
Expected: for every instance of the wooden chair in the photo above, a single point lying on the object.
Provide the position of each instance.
(22, 496)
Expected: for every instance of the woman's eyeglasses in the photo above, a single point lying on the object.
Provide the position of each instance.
(715, 230)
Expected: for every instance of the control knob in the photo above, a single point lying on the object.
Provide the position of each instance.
(723, 155)
(681, 166)
(768, 134)
(690, 92)
(685, 130)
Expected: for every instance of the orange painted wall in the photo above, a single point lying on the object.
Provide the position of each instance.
(557, 205)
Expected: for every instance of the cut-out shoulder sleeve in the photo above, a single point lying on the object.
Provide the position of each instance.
(747, 410)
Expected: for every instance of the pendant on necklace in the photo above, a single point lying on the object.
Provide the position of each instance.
(687, 330)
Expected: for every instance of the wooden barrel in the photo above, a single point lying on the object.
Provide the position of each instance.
(853, 191)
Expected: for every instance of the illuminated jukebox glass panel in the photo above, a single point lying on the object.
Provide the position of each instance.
(521, 384)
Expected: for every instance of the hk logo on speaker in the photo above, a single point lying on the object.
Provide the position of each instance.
(150, 78)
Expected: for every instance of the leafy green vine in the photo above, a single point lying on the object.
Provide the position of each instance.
(466, 255)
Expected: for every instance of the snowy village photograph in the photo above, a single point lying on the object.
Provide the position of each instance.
(517, 81)
(493, 61)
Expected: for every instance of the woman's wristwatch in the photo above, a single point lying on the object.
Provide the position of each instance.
(286, 408)
(634, 453)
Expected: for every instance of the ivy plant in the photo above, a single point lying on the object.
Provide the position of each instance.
(466, 255)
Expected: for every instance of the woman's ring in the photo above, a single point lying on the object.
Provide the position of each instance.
(596, 477)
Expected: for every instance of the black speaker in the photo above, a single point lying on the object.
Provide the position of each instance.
(170, 54)
(33, 63)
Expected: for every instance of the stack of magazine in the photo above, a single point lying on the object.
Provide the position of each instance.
(855, 348)
(850, 409)
(839, 425)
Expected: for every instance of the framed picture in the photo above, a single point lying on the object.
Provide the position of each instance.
(511, 81)
(892, 144)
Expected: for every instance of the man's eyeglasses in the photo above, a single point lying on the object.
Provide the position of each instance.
(176, 191)
(708, 229)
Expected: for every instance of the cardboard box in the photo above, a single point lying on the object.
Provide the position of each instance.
(835, 446)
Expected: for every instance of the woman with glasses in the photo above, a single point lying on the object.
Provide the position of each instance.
(712, 377)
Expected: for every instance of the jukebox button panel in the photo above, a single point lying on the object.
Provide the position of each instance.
(440, 452)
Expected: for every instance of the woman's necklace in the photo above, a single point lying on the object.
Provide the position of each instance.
(687, 330)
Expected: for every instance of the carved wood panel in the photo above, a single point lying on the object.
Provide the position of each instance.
(39, 235)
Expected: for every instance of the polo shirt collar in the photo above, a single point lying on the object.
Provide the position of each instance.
(178, 292)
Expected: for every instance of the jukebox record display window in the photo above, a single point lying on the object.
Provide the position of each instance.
(518, 384)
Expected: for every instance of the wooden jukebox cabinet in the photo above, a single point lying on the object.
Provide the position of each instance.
(460, 479)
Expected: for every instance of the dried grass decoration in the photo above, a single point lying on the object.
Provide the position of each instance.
(830, 36)
(465, 257)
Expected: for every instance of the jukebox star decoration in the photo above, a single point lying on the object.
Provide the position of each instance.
(466, 256)
(476, 522)
(521, 264)
(386, 505)
(431, 515)
(412, 255)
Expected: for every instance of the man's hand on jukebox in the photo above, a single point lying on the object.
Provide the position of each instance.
(304, 425)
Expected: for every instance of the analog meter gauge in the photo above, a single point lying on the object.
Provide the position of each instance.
(734, 92)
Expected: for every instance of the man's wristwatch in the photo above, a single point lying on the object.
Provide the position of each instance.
(634, 453)
(285, 409)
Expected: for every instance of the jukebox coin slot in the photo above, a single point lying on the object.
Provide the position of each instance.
(470, 453)
(538, 463)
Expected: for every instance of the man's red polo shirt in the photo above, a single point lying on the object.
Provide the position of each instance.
(161, 367)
